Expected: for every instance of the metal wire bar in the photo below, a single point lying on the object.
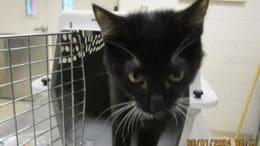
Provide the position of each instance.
(41, 121)
(13, 98)
(73, 106)
(71, 118)
(68, 119)
(60, 98)
(72, 96)
(48, 85)
(64, 69)
(24, 97)
(78, 137)
(26, 142)
(84, 93)
(56, 140)
(31, 91)
(43, 133)
(37, 123)
(34, 34)
(36, 46)
(34, 62)
(59, 124)
(27, 96)
(72, 130)
(62, 92)
(38, 106)
(21, 80)
(11, 135)
(60, 112)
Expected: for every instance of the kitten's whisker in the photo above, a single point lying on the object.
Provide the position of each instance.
(181, 111)
(118, 113)
(112, 107)
(124, 135)
(129, 125)
(184, 101)
(126, 123)
(183, 48)
(185, 40)
(130, 120)
(188, 122)
(183, 115)
(183, 43)
(173, 113)
(117, 128)
(140, 118)
(183, 106)
(146, 115)
(121, 122)
(134, 119)
(123, 48)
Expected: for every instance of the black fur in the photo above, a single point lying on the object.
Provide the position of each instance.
(146, 43)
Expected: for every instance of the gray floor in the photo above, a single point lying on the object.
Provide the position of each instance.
(99, 135)
(24, 122)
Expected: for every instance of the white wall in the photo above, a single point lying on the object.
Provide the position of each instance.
(55, 8)
(14, 19)
(232, 47)
(86, 4)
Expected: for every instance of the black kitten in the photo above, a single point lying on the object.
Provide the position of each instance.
(151, 59)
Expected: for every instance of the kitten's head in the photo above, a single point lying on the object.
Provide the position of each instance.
(153, 56)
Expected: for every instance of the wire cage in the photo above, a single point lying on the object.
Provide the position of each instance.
(43, 87)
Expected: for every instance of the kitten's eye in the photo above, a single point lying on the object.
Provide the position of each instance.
(177, 75)
(135, 78)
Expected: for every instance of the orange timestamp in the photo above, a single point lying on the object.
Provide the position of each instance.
(245, 142)
(208, 142)
(221, 142)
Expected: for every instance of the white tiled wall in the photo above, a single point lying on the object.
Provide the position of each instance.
(232, 47)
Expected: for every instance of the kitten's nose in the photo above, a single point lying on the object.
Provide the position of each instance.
(157, 103)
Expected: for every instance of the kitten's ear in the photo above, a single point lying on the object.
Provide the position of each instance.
(195, 13)
(106, 20)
